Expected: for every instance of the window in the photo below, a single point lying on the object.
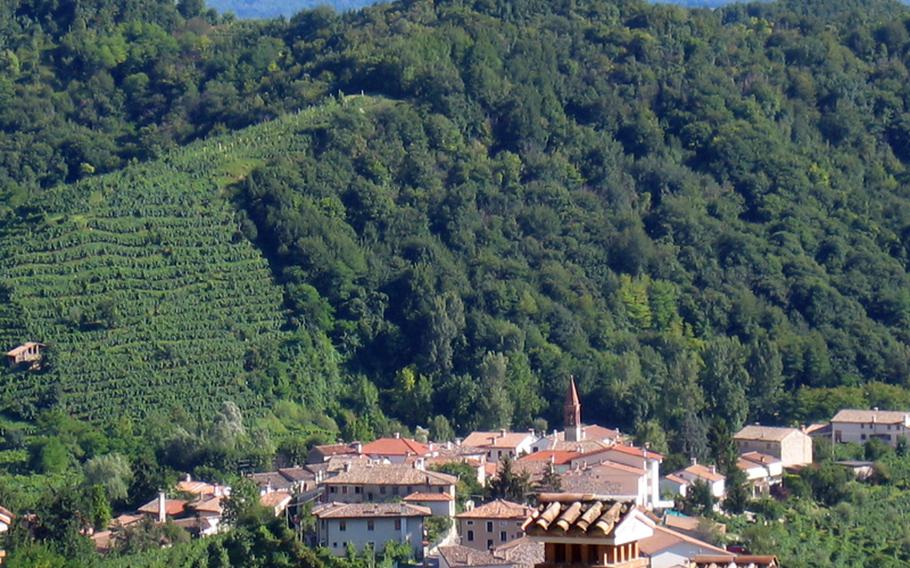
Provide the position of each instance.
(489, 544)
(395, 490)
(382, 489)
(333, 489)
(489, 526)
(502, 536)
(442, 489)
(344, 489)
(862, 436)
(370, 525)
(358, 490)
(342, 526)
(397, 524)
(470, 523)
(334, 545)
(408, 492)
(470, 536)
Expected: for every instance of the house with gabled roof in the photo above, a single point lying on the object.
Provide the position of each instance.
(395, 449)
(321, 453)
(370, 525)
(633, 456)
(704, 474)
(860, 426)
(498, 445)
(610, 479)
(667, 548)
(377, 482)
(440, 504)
(492, 524)
(791, 445)
(762, 471)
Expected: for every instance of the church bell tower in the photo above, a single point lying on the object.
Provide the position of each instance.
(572, 413)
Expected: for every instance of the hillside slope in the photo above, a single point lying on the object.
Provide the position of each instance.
(144, 289)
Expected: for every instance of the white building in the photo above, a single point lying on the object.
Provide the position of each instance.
(762, 471)
(6, 519)
(705, 474)
(440, 504)
(615, 480)
(667, 548)
(373, 525)
(860, 426)
(498, 445)
(641, 458)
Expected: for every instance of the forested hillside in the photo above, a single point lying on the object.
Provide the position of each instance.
(671, 205)
(148, 296)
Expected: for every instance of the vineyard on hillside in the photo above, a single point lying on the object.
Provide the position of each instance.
(143, 287)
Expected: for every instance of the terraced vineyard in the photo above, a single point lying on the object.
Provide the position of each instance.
(143, 286)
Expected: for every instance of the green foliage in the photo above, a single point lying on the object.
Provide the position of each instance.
(437, 528)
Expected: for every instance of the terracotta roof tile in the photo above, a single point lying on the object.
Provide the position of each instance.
(765, 433)
(498, 509)
(275, 500)
(208, 505)
(172, 507)
(636, 451)
(562, 513)
(702, 472)
(390, 474)
(505, 440)
(558, 457)
(463, 557)
(395, 447)
(760, 458)
(369, 510)
(297, 473)
(868, 416)
(416, 497)
(664, 538)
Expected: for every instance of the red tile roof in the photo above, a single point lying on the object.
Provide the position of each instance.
(558, 457)
(702, 472)
(395, 447)
(636, 451)
(172, 507)
(275, 500)
(505, 440)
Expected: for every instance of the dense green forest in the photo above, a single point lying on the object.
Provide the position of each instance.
(668, 204)
(431, 214)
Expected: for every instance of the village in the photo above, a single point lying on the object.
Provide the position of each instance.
(584, 496)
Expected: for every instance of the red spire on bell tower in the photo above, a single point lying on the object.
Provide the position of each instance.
(572, 413)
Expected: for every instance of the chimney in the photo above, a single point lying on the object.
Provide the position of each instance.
(162, 507)
(358, 448)
(347, 466)
(694, 461)
(502, 432)
(713, 469)
(448, 445)
(458, 441)
(397, 435)
(187, 478)
(432, 446)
